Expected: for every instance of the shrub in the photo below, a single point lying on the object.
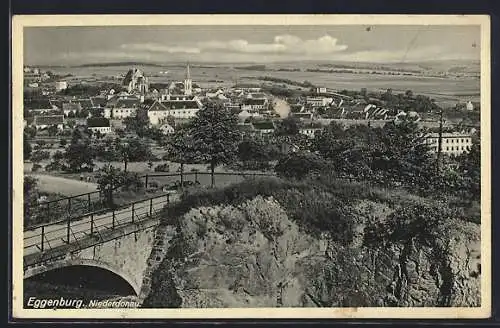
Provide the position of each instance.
(35, 167)
(131, 181)
(162, 168)
(299, 165)
(40, 155)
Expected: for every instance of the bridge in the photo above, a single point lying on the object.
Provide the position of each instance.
(125, 241)
(117, 240)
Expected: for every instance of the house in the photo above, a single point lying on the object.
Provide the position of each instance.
(71, 107)
(99, 101)
(167, 129)
(402, 115)
(469, 105)
(124, 101)
(252, 104)
(179, 107)
(121, 112)
(263, 127)
(61, 85)
(319, 101)
(244, 114)
(309, 131)
(40, 105)
(99, 124)
(44, 121)
(451, 143)
(85, 103)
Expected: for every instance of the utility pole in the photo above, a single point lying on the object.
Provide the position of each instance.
(440, 141)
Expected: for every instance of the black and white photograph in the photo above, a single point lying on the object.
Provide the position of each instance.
(237, 166)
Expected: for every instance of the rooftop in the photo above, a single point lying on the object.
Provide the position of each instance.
(182, 104)
(97, 122)
(49, 120)
(265, 125)
(157, 106)
(251, 101)
(71, 106)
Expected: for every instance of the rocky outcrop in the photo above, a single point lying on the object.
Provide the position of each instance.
(254, 255)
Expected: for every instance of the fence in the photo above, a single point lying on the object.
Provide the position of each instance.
(229, 177)
(86, 203)
(72, 230)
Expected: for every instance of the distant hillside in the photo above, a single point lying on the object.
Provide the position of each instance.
(451, 66)
(131, 63)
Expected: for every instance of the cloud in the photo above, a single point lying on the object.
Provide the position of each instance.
(155, 47)
(281, 45)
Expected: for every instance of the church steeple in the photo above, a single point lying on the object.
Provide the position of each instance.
(188, 89)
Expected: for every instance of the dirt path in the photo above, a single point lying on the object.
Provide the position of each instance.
(67, 187)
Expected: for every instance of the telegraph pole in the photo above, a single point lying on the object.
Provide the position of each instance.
(440, 141)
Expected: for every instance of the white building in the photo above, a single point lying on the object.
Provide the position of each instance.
(179, 107)
(46, 121)
(451, 143)
(99, 124)
(252, 104)
(121, 113)
(61, 85)
(469, 105)
(309, 132)
(167, 129)
(319, 101)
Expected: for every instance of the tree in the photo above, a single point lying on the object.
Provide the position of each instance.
(288, 126)
(409, 94)
(108, 179)
(132, 150)
(52, 130)
(40, 155)
(181, 149)
(470, 169)
(299, 165)
(26, 148)
(30, 198)
(63, 142)
(138, 124)
(30, 132)
(400, 153)
(215, 135)
(79, 152)
(170, 120)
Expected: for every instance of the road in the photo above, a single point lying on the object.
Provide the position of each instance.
(64, 186)
(55, 235)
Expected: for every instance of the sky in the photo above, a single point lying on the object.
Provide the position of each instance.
(259, 44)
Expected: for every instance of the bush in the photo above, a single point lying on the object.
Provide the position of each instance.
(36, 167)
(131, 181)
(55, 166)
(162, 168)
(40, 155)
(299, 165)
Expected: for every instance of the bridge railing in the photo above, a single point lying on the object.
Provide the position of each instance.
(73, 230)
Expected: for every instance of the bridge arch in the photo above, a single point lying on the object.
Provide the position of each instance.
(37, 270)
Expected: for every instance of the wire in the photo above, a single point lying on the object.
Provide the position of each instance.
(412, 42)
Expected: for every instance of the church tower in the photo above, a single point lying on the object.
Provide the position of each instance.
(188, 88)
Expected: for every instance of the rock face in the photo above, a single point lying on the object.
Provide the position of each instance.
(253, 255)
